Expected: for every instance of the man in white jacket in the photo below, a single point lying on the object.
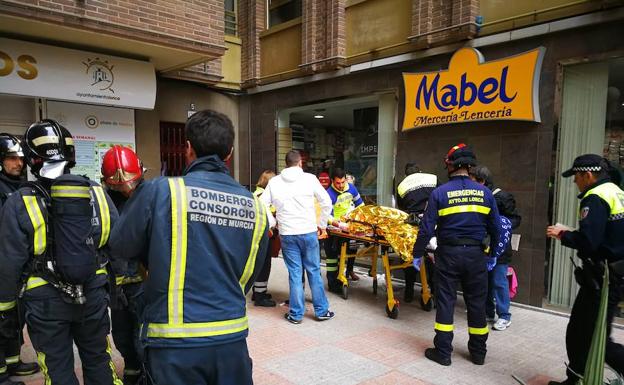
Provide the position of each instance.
(292, 193)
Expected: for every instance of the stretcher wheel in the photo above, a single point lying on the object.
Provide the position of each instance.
(375, 286)
(394, 313)
(426, 306)
(345, 292)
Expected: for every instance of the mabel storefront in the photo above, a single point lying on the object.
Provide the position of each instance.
(528, 106)
(93, 95)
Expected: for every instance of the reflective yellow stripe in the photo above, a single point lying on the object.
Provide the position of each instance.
(70, 192)
(39, 226)
(332, 268)
(12, 360)
(177, 271)
(478, 331)
(45, 140)
(3, 369)
(613, 195)
(443, 327)
(4, 306)
(111, 364)
(104, 214)
(34, 282)
(204, 329)
(123, 280)
(331, 260)
(69, 141)
(259, 230)
(44, 368)
(464, 209)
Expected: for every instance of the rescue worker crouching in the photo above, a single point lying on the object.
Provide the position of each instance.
(52, 233)
(122, 173)
(206, 239)
(599, 241)
(11, 170)
(465, 213)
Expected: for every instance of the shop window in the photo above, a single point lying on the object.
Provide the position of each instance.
(281, 11)
(592, 121)
(231, 27)
(172, 144)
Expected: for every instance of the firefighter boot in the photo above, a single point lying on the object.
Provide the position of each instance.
(263, 299)
(23, 368)
(434, 355)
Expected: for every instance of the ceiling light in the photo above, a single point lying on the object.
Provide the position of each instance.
(318, 116)
(318, 113)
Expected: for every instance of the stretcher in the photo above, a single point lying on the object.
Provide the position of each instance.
(382, 248)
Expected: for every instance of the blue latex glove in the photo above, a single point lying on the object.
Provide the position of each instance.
(416, 263)
(491, 262)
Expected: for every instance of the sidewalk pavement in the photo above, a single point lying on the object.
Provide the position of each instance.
(361, 345)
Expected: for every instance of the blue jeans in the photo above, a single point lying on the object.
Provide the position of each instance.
(302, 252)
(498, 292)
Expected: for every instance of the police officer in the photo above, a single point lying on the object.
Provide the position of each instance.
(122, 172)
(465, 213)
(344, 197)
(58, 314)
(598, 240)
(413, 193)
(203, 238)
(11, 167)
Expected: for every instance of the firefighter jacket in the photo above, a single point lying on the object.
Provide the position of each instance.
(24, 235)
(7, 187)
(413, 192)
(344, 201)
(126, 271)
(465, 213)
(204, 237)
(601, 224)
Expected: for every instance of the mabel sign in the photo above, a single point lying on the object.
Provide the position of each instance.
(472, 90)
(38, 70)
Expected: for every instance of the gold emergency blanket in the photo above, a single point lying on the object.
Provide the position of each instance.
(390, 224)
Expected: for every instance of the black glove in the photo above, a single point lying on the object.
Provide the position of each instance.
(9, 324)
(118, 298)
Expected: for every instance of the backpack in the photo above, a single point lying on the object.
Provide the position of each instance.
(71, 256)
(72, 218)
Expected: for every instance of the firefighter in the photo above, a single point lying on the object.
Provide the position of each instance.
(465, 213)
(260, 295)
(11, 167)
(203, 238)
(122, 173)
(64, 295)
(344, 197)
(598, 241)
(413, 193)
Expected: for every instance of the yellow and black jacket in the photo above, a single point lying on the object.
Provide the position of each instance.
(23, 236)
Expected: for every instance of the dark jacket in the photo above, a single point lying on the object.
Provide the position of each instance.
(20, 241)
(506, 204)
(600, 235)
(462, 209)
(7, 187)
(413, 192)
(204, 238)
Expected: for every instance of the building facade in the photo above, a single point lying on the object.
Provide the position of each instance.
(326, 77)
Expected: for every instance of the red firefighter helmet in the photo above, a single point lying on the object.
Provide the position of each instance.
(121, 169)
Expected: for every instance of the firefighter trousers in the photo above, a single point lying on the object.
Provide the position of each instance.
(125, 329)
(581, 328)
(465, 265)
(227, 364)
(54, 325)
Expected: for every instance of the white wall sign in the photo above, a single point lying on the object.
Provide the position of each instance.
(95, 129)
(59, 73)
